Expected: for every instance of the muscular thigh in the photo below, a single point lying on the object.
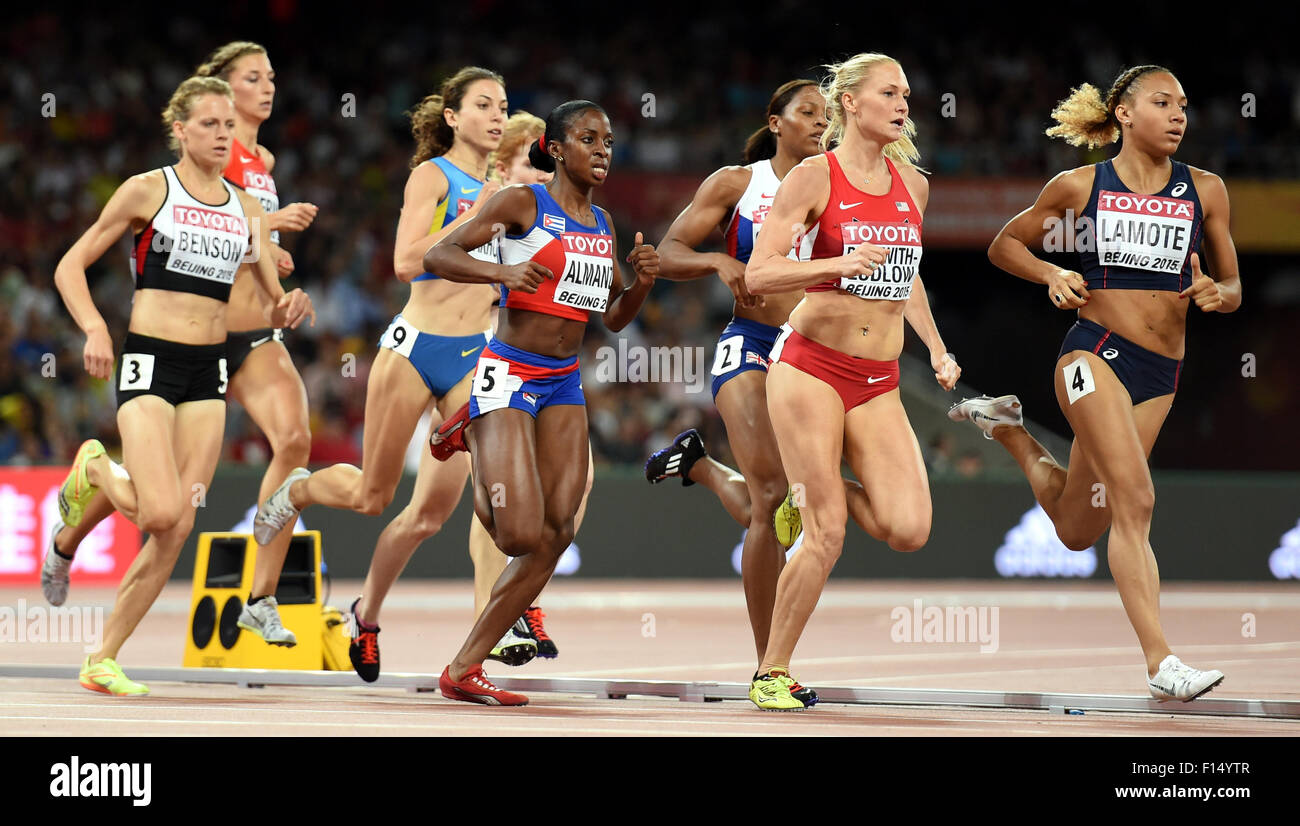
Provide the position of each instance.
(562, 459)
(743, 405)
(199, 430)
(808, 419)
(146, 424)
(1112, 437)
(883, 452)
(270, 389)
(504, 453)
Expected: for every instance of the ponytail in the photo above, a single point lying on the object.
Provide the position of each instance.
(762, 143)
(1084, 119)
(433, 135)
(557, 126)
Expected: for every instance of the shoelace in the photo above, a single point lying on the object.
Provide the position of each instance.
(369, 644)
(533, 616)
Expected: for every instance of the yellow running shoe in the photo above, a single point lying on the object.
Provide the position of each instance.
(788, 521)
(106, 677)
(771, 692)
(77, 491)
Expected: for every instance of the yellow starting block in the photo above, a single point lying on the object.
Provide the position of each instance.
(223, 576)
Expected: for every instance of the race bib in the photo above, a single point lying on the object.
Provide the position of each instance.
(892, 280)
(208, 244)
(1144, 232)
(492, 380)
(137, 371)
(588, 271)
(728, 357)
(399, 337)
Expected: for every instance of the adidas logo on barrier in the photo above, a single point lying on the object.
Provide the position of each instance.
(1032, 548)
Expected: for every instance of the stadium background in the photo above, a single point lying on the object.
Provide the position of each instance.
(710, 74)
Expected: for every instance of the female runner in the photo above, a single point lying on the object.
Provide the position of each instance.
(833, 383)
(529, 431)
(1118, 368)
(191, 237)
(262, 375)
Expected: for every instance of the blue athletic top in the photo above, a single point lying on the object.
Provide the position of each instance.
(1143, 242)
(462, 190)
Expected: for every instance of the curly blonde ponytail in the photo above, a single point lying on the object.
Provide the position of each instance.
(1084, 119)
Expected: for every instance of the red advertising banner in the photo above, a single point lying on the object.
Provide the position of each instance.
(28, 510)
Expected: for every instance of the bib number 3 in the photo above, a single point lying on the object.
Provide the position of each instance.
(137, 371)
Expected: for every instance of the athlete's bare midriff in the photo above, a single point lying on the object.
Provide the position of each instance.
(184, 318)
(869, 329)
(545, 335)
(1153, 319)
(447, 308)
(776, 310)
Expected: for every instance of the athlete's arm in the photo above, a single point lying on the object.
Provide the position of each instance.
(799, 202)
(714, 201)
(280, 308)
(509, 209)
(917, 310)
(1223, 292)
(132, 205)
(624, 303)
(1011, 249)
(425, 189)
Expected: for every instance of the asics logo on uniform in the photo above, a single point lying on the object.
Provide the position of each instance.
(874, 379)
(1110, 352)
(1180, 189)
(849, 206)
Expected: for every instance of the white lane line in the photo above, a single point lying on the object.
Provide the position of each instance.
(1053, 669)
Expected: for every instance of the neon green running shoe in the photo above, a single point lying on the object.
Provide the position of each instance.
(771, 692)
(76, 491)
(106, 677)
(788, 521)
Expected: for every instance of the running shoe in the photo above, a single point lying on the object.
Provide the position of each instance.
(788, 521)
(806, 696)
(772, 693)
(364, 648)
(517, 647)
(106, 677)
(475, 687)
(76, 491)
(987, 412)
(449, 438)
(263, 620)
(1175, 681)
(545, 645)
(677, 459)
(54, 571)
(277, 511)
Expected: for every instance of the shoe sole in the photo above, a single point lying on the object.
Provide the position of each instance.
(1198, 694)
(481, 699)
(357, 671)
(514, 655)
(99, 689)
(256, 633)
(765, 708)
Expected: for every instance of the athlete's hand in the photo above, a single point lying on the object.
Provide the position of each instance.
(862, 261)
(294, 217)
(644, 259)
(525, 276)
(1204, 290)
(946, 369)
(1066, 290)
(291, 309)
(98, 353)
(283, 260)
(489, 189)
(732, 273)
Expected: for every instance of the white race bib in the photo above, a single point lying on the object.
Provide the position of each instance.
(892, 280)
(588, 271)
(1144, 232)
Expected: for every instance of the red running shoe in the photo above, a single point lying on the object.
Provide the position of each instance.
(449, 438)
(475, 687)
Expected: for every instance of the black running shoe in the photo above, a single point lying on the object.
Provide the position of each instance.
(364, 648)
(677, 459)
(545, 645)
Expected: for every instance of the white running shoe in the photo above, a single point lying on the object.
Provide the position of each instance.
(278, 511)
(1175, 681)
(517, 647)
(263, 619)
(54, 571)
(988, 412)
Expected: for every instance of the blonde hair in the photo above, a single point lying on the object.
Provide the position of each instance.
(1085, 119)
(433, 135)
(183, 100)
(848, 77)
(521, 129)
(221, 62)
